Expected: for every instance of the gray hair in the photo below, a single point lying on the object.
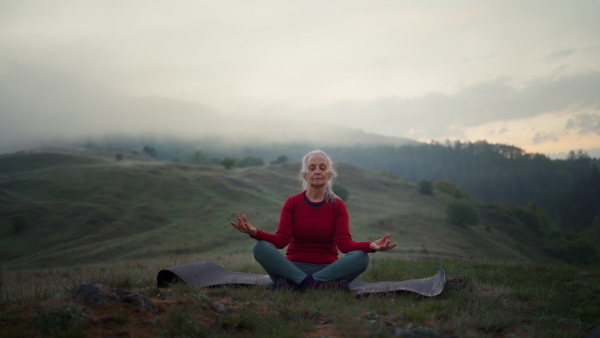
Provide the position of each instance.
(330, 196)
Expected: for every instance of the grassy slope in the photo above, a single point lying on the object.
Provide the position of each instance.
(121, 223)
(480, 300)
(84, 210)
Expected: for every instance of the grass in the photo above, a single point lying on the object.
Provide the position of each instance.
(79, 211)
(122, 223)
(480, 300)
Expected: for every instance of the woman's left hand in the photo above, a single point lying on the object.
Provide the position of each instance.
(383, 244)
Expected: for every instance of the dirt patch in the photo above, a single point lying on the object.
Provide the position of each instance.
(324, 329)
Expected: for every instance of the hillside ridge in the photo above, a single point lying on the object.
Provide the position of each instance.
(79, 214)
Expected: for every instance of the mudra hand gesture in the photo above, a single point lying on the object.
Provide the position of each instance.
(244, 226)
(383, 244)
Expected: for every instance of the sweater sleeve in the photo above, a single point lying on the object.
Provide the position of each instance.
(343, 238)
(282, 237)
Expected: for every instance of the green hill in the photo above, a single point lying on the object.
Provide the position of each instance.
(77, 210)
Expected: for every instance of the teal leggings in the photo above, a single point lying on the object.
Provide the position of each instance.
(277, 266)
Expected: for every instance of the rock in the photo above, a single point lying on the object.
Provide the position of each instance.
(220, 307)
(96, 294)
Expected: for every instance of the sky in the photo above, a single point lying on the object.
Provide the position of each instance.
(524, 73)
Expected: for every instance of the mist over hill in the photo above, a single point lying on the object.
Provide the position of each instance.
(45, 107)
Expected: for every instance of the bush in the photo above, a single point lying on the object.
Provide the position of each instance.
(425, 187)
(280, 159)
(462, 213)
(70, 322)
(593, 232)
(577, 251)
(150, 151)
(498, 213)
(251, 161)
(341, 191)
(450, 188)
(228, 162)
(527, 217)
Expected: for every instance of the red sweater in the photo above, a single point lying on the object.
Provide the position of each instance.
(313, 231)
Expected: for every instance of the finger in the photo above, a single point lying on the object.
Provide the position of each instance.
(239, 225)
(236, 227)
(392, 246)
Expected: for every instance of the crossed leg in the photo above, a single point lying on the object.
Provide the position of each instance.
(345, 269)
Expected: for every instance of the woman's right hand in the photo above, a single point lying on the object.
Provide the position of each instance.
(244, 226)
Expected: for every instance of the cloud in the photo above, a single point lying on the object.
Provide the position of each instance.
(565, 53)
(585, 124)
(544, 137)
(561, 54)
(592, 48)
(439, 115)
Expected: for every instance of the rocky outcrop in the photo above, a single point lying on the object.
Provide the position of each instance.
(96, 294)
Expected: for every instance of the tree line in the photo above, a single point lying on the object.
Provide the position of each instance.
(568, 190)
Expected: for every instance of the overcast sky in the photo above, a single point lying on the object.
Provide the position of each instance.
(525, 73)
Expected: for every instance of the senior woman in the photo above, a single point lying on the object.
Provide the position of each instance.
(313, 225)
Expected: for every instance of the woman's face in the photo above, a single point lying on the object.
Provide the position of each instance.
(317, 171)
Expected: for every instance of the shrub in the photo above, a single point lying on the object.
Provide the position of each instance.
(150, 151)
(70, 322)
(450, 188)
(577, 251)
(462, 213)
(594, 231)
(527, 217)
(280, 159)
(341, 191)
(228, 162)
(251, 161)
(425, 187)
